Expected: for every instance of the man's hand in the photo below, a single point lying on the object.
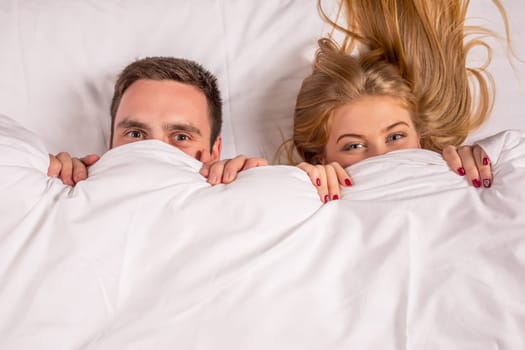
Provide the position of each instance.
(470, 161)
(327, 179)
(70, 169)
(225, 171)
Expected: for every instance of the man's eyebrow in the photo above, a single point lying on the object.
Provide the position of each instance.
(126, 123)
(394, 125)
(183, 127)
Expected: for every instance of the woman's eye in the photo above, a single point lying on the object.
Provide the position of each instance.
(135, 134)
(395, 137)
(353, 146)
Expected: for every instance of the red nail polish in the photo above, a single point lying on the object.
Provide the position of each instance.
(487, 183)
(476, 183)
(485, 161)
(348, 182)
(461, 171)
(318, 182)
(335, 197)
(326, 198)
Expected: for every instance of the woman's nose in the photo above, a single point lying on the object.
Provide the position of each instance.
(376, 150)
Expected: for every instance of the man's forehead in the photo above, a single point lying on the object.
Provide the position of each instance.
(167, 85)
(164, 102)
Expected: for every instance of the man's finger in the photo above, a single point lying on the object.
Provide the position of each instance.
(254, 163)
(90, 159)
(66, 173)
(232, 168)
(216, 169)
(54, 166)
(79, 170)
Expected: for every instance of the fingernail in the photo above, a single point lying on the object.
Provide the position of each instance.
(485, 161)
(318, 182)
(348, 182)
(326, 198)
(476, 183)
(335, 197)
(487, 183)
(461, 171)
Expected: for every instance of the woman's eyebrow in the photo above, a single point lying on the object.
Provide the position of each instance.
(394, 125)
(349, 135)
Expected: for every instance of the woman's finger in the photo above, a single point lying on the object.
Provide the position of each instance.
(451, 156)
(484, 166)
(342, 176)
(470, 166)
(332, 182)
(317, 176)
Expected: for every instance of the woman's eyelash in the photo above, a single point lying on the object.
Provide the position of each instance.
(353, 146)
(397, 135)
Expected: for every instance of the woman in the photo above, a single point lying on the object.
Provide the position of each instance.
(424, 43)
(351, 108)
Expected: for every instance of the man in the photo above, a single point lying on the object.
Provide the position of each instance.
(172, 100)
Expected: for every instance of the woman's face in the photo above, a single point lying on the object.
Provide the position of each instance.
(367, 127)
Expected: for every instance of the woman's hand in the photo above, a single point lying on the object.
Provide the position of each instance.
(327, 179)
(225, 171)
(470, 161)
(69, 169)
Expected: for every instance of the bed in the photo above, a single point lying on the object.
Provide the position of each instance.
(144, 254)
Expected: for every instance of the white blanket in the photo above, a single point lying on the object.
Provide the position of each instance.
(144, 254)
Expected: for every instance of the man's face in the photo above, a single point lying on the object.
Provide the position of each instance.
(167, 111)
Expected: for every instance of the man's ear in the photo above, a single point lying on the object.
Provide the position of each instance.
(216, 149)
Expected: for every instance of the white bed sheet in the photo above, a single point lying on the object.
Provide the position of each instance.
(146, 255)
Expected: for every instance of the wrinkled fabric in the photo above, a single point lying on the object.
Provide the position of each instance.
(145, 254)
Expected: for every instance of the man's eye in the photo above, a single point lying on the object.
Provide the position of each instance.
(135, 134)
(395, 137)
(181, 137)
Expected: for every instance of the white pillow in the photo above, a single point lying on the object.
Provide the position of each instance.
(60, 60)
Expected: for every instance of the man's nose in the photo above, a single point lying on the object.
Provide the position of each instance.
(160, 136)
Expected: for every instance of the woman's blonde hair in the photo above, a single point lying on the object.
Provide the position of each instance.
(338, 79)
(427, 41)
